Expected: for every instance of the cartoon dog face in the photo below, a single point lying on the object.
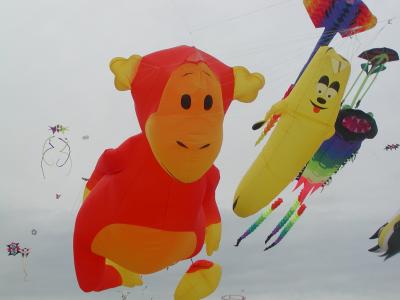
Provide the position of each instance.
(320, 89)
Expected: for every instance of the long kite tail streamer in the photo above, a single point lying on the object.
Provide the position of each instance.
(284, 220)
(24, 265)
(260, 219)
(24, 253)
(288, 226)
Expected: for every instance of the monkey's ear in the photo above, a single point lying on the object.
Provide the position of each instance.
(124, 71)
(247, 84)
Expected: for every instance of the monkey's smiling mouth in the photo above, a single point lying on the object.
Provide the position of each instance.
(317, 108)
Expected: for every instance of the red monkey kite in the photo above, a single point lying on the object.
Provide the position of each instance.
(150, 203)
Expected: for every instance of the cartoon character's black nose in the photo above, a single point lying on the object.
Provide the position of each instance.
(321, 100)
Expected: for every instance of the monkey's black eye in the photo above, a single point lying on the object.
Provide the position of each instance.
(186, 101)
(208, 102)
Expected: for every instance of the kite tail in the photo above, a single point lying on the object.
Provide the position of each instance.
(260, 219)
(24, 266)
(271, 123)
(309, 187)
(288, 226)
(284, 220)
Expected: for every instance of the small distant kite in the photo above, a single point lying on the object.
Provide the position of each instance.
(58, 196)
(25, 251)
(58, 144)
(58, 128)
(34, 232)
(392, 147)
(13, 248)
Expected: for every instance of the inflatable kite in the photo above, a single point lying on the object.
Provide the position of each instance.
(56, 150)
(150, 203)
(14, 249)
(352, 127)
(347, 17)
(388, 237)
(307, 118)
(376, 60)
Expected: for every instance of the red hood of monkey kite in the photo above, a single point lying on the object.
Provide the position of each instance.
(155, 69)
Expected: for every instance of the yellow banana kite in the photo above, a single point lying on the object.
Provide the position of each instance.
(308, 117)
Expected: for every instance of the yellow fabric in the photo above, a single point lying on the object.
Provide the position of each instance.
(386, 233)
(124, 71)
(86, 193)
(213, 238)
(198, 131)
(129, 279)
(298, 134)
(143, 250)
(247, 84)
(198, 285)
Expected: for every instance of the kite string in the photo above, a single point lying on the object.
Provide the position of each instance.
(212, 24)
(183, 18)
(367, 89)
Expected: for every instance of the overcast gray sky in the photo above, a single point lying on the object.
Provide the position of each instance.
(54, 59)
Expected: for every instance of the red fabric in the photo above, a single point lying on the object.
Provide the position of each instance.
(130, 187)
(155, 69)
(170, 204)
(200, 265)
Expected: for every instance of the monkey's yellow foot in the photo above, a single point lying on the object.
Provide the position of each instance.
(199, 281)
(129, 278)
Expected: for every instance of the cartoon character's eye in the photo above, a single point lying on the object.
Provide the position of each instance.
(208, 102)
(186, 101)
(333, 90)
(331, 93)
(321, 89)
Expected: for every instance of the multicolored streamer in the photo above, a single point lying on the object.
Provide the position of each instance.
(260, 219)
(288, 226)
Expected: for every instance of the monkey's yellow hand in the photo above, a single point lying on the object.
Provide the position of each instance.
(86, 193)
(213, 238)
